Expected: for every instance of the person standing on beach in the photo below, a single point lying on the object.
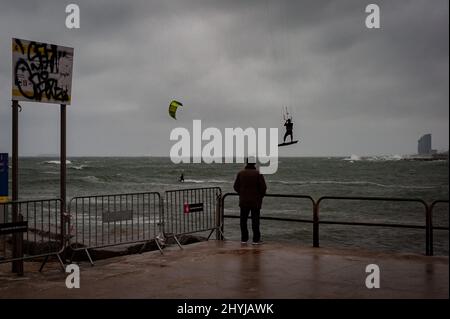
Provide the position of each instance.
(251, 187)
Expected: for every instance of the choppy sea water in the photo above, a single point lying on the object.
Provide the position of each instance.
(389, 177)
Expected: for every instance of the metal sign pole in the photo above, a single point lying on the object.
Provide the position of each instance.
(63, 171)
(25, 87)
(4, 196)
(17, 266)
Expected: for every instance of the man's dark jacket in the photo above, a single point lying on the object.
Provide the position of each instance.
(251, 187)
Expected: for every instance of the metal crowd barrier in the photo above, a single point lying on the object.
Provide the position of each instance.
(316, 221)
(190, 211)
(31, 229)
(117, 219)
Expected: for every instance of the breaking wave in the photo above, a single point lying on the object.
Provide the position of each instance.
(79, 167)
(198, 181)
(91, 179)
(194, 181)
(57, 162)
(357, 183)
(354, 158)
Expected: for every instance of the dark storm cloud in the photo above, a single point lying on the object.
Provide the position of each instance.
(235, 63)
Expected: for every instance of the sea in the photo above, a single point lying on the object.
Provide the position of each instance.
(382, 176)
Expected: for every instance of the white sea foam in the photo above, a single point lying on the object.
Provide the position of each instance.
(79, 167)
(395, 157)
(353, 157)
(218, 181)
(91, 179)
(57, 162)
(198, 181)
(194, 181)
(357, 183)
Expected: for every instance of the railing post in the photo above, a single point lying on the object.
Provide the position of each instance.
(429, 226)
(431, 243)
(68, 222)
(427, 231)
(219, 217)
(162, 217)
(316, 224)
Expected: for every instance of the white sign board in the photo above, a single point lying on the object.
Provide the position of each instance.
(41, 72)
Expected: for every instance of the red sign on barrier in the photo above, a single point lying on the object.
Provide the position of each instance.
(192, 208)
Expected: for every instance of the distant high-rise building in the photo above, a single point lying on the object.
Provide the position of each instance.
(424, 145)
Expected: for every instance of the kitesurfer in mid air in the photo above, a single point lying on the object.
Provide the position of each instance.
(289, 126)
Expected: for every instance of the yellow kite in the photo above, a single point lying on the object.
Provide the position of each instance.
(173, 106)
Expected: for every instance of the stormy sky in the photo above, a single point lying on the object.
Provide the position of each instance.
(351, 90)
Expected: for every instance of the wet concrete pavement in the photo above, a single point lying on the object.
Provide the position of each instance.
(230, 270)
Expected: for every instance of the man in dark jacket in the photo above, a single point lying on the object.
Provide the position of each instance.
(289, 127)
(251, 187)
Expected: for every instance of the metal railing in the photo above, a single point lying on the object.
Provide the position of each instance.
(299, 220)
(190, 211)
(316, 221)
(379, 199)
(114, 219)
(431, 226)
(33, 230)
(117, 219)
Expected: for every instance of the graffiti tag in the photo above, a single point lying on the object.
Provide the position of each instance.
(41, 72)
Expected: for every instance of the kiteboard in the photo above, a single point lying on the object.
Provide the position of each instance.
(288, 143)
